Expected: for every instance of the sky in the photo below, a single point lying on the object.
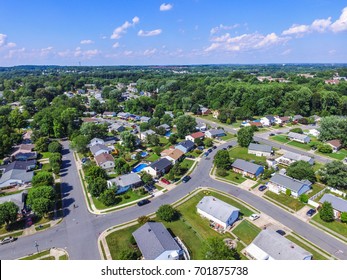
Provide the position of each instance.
(151, 32)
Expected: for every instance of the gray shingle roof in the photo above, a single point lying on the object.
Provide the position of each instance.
(246, 166)
(260, 148)
(161, 164)
(216, 208)
(186, 144)
(297, 136)
(216, 131)
(297, 157)
(126, 180)
(337, 202)
(17, 199)
(288, 182)
(279, 247)
(96, 148)
(153, 239)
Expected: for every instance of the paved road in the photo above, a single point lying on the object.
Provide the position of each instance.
(79, 230)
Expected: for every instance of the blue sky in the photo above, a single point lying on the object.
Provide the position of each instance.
(138, 32)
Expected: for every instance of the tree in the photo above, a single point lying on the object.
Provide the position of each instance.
(55, 147)
(198, 142)
(92, 130)
(303, 198)
(167, 213)
(214, 248)
(325, 148)
(147, 178)
(42, 178)
(94, 172)
(129, 140)
(208, 142)
(153, 139)
(185, 124)
(334, 174)
(297, 130)
(245, 136)
(97, 186)
(143, 219)
(222, 159)
(326, 212)
(41, 144)
(343, 217)
(267, 173)
(288, 192)
(129, 254)
(121, 166)
(8, 212)
(173, 139)
(221, 172)
(79, 144)
(301, 170)
(108, 197)
(41, 199)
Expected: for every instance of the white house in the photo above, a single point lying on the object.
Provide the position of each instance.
(96, 141)
(259, 150)
(267, 120)
(302, 138)
(143, 135)
(269, 245)
(195, 135)
(314, 132)
(159, 167)
(105, 161)
(218, 211)
(100, 149)
(289, 157)
(213, 133)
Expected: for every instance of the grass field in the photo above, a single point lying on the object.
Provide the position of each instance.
(315, 189)
(337, 226)
(187, 164)
(36, 256)
(242, 153)
(233, 177)
(246, 231)
(299, 145)
(227, 137)
(280, 138)
(286, 200)
(340, 155)
(153, 157)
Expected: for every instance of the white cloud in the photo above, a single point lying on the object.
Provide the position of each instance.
(297, 29)
(46, 51)
(165, 7)
(85, 54)
(86, 42)
(340, 24)
(269, 40)
(321, 25)
(149, 52)
(149, 33)
(11, 45)
(128, 53)
(286, 52)
(17, 53)
(115, 45)
(216, 29)
(117, 33)
(3, 38)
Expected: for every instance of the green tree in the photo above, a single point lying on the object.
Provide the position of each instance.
(222, 159)
(153, 139)
(334, 174)
(41, 199)
(288, 192)
(42, 178)
(146, 178)
(214, 248)
(95, 172)
(55, 147)
(167, 213)
(143, 219)
(108, 197)
(303, 198)
(79, 144)
(129, 254)
(173, 139)
(343, 217)
(8, 212)
(41, 144)
(185, 124)
(129, 140)
(301, 170)
(97, 186)
(245, 136)
(208, 142)
(326, 212)
(121, 166)
(325, 148)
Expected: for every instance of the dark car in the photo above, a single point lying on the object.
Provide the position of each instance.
(262, 188)
(210, 150)
(281, 232)
(214, 147)
(224, 149)
(143, 202)
(206, 154)
(201, 148)
(311, 212)
(230, 146)
(272, 134)
(186, 179)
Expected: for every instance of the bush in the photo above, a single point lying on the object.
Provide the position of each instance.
(143, 219)
(108, 197)
(325, 149)
(343, 217)
(221, 172)
(129, 254)
(167, 213)
(303, 198)
(326, 212)
(288, 192)
(126, 196)
(55, 147)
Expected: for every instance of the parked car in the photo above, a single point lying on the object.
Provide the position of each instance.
(311, 212)
(210, 150)
(230, 146)
(253, 217)
(214, 147)
(186, 179)
(143, 202)
(272, 134)
(206, 154)
(8, 239)
(281, 232)
(201, 148)
(262, 188)
(224, 149)
(165, 181)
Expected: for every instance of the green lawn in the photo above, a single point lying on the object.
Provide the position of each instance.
(194, 153)
(46, 154)
(233, 177)
(227, 137)
(315, 254)
(280, 138)
(246, 231)
(242, 153)
(317, 166)
(163, 140)
(315, 189)
(46, 167)
(36, 256)
(187, 164)
(299, 145)
(340, 155)
(286, 200)
(9, 193)
(337, 226)
(153, 157)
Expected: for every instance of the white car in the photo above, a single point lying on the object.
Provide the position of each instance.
(253, 217)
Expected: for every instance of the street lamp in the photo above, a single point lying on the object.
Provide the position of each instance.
(37, 246)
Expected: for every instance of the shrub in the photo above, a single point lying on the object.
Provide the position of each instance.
(221, 172)
(326, 212)
(303, 198)
(343, 217)
(325, 149)
(167, 213)
(288, 192)
(143, 219)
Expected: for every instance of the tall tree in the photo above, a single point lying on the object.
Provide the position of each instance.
(185, 125)
(214, 248)
(222, 159)
(334, 174)
(326, 212)
(8, 212)
(245, 136)
(301, 170)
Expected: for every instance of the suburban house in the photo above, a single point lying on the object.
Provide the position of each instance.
(143, 135)
(218, 211)
(172, 155)
(105, 161)
(185, 146)
(144, 119)
(116, 127)
(339, 204)
(296, 118)
(280, 183)
(205, 111)
(282, 120)
(256, 124)
(17, 173)
(125, 182)
(302, 138)
(269, 245)
(247, 168)
(195, 135)
(156, 243)
(289, 157)
(213, 133)
(96, 141)
(24, 152)
(159, 167)
(165, 126)
(170, 113)
(100, 149)
(201, 126)
(268, 120)
(314, 132)
(335, 145)
(17, 198)
(123, 116)
(109, 114)
(259, 150)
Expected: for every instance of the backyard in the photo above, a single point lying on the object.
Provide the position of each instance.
(242, 153)
(246, 231)
(340, 155)
(233, 177)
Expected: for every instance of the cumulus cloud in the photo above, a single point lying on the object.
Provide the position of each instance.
(3, 38)
(297, 30)
(15, 53)
(115, 45)
(321, 25)
(149, 33)
(165, 7)
(86, 42)
(149, 52)
(117, 33)
(220, 27)
(340, 24)
(85, 53)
